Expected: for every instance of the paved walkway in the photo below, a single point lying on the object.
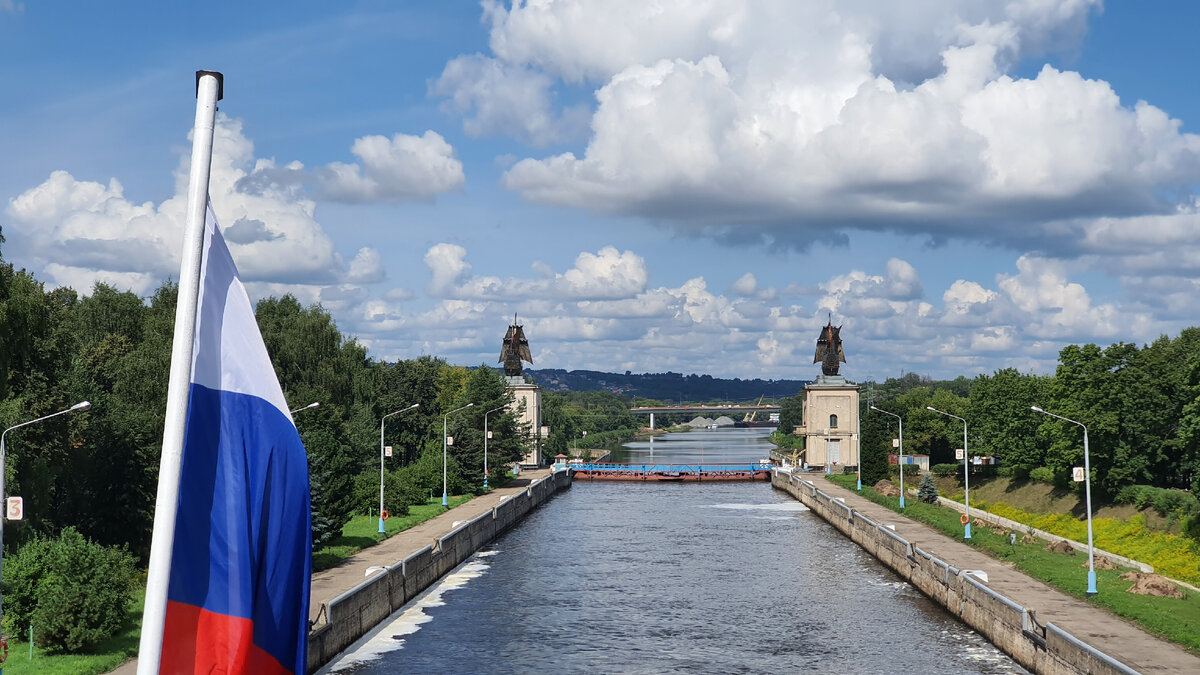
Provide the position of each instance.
(1096, 626)
(330, 583)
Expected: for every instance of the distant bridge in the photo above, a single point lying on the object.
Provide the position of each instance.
(703, 409)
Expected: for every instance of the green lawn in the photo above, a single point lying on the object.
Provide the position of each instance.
(1177, 620)
(363, 531)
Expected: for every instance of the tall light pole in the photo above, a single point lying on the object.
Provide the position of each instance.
(310, 405)
(82, 405)
(397, 412)
(1087, 490)
(445, 500)
(486, 435)
(966, 470)
(901, 460)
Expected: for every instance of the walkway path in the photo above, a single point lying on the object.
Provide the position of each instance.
(330, 583)
(1094, 625)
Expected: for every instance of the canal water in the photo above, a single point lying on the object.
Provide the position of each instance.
(612, 577)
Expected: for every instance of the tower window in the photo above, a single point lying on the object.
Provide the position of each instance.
(833, 421)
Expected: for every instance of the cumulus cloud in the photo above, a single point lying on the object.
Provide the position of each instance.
(401, 169)
(79, 232)
(501, 99)
(367, 267)
(607, 273)
(794, 121)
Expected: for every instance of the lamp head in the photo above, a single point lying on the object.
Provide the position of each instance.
(82, 405)
(415, 405)
(929, 407)
(470, 404)
(1034, 408)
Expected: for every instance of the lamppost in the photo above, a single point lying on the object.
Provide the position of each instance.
(1087, 490)
(82, 405)
(487, 435)
(397, 412)
(445, 499)
(901, 460)
(310, 405)
(966, 468)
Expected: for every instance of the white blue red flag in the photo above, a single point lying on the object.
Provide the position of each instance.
(241, 564)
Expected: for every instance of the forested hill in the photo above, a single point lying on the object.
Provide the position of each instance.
(666, 386)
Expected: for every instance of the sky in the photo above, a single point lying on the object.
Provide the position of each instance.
(694, 186)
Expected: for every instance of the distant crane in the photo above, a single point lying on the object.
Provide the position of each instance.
(750, 415)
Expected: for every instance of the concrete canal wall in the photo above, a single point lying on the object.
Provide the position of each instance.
(355, 612)
(1008, 625)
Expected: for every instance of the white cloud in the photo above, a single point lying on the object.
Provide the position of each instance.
(367, 267)
(498, 98)
(605, 274)
(404, 168)
(78, 232)
(796, 120)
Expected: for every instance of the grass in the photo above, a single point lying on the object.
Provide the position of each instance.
(363, 531)
(1177, 620)
(107, 655)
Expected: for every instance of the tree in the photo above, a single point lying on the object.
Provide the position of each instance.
(1000, 419)
(75, 592)
(927, 490)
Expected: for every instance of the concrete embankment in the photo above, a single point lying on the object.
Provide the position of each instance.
(342, 619)
(1041, 628)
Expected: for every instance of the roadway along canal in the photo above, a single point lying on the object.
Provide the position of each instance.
(674, 577)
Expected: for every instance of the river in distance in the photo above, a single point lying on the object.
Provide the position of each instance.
(613, 577)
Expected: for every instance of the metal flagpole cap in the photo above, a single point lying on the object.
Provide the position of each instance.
(220, 82)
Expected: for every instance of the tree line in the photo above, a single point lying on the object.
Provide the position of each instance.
(97, 472)
(1141, 407)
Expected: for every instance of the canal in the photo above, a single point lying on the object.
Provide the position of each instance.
(673, 577)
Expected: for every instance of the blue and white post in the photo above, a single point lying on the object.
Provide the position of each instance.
(900, 461)
(1087, 488)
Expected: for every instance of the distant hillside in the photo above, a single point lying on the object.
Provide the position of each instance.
(666, 387)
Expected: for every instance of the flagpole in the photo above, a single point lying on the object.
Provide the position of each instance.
(209, 86)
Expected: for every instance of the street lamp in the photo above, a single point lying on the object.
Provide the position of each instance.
(1087, 490)
(397, 412)
(82, 405)
(901, 460)
(966, 467)
(486, 435)
(445, 500)
(310, 405)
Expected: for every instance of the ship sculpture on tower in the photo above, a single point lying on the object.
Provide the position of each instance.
(515, 350)
(829, 349)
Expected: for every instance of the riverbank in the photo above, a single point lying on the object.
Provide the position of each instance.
(1044, 630)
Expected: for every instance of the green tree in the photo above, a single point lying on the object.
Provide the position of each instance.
(74, 591)
(1000, 419)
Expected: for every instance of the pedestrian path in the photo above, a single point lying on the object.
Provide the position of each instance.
(1094, 625)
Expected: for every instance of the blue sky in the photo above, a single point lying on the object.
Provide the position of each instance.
(692, 186)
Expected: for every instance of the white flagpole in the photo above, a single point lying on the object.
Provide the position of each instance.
(209, 85)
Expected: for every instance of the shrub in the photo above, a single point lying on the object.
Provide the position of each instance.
(1042, 474)
(945, 470)
(1170, 503)
(927, 491)
(910, 471)
(74, 591)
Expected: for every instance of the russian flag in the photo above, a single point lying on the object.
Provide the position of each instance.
(237, 601)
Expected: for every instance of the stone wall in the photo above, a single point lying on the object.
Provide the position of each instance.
(1008, 625)
(355, 612)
